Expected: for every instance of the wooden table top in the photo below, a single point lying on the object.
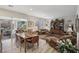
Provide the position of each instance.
(23, 35)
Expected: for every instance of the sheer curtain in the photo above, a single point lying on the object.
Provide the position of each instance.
(77, 24)
(77, 30)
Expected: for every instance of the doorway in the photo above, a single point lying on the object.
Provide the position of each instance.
(9, 28)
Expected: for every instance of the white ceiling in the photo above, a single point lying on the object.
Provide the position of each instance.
(46, 11)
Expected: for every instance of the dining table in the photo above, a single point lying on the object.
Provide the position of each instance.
(25, 36)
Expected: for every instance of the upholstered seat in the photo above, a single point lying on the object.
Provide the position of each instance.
(57, 31)
(52, 41)
(33, 40)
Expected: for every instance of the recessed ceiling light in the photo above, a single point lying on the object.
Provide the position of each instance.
(10, 5)
(30, 9)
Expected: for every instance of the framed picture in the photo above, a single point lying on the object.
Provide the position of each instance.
(30, 23)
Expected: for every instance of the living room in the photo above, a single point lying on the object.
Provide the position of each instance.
(39, 28)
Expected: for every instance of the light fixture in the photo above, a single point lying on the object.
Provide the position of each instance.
(30, 9)
(10, 5)
(70, 30)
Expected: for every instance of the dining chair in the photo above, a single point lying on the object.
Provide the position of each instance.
(19, 41)
(33, 40)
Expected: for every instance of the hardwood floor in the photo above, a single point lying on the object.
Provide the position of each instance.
(9, 46)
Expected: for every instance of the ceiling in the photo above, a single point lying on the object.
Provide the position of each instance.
(45, 11)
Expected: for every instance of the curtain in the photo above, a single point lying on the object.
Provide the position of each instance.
(77, 24)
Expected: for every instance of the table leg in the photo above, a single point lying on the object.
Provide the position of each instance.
(25, 45)
(37, 43)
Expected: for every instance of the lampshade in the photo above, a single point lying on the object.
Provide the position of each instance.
(70, 25)
(69, 29)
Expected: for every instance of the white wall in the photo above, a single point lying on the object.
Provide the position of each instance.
(77, 10)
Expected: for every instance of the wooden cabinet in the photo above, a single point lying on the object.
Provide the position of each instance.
(57, 25)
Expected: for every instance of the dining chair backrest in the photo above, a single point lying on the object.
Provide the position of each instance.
(35, 39)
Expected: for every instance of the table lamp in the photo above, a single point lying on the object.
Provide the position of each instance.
(69, 30)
